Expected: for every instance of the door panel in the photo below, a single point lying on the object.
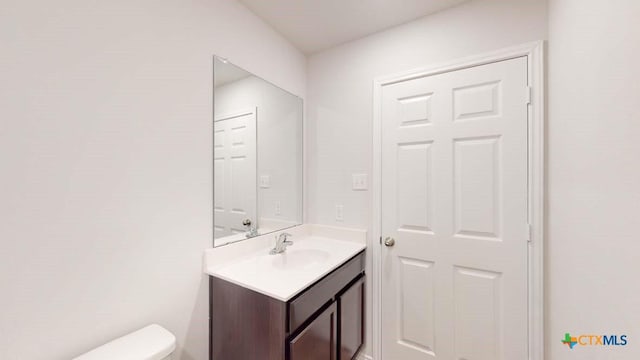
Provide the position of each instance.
(477, 187)
(414, 178)
(417, 328)
(454, 198)
(476, 101)
(477, 314)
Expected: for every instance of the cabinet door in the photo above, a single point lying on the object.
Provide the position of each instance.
(317, 341)
(351, 311)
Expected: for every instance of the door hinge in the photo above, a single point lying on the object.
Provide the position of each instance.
(529, 94)
(529, 232)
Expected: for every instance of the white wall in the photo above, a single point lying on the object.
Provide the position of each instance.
(593, 247)
(339, 107)
(106, 161)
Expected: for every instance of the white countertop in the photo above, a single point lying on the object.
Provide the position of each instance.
(317, 251)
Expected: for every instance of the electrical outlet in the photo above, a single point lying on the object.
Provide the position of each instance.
(359, 182)
(278, 208)
(339, 212)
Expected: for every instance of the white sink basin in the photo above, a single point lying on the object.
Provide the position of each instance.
(316, 251)
(298, 259)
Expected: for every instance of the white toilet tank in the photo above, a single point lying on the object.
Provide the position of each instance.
(150, 343)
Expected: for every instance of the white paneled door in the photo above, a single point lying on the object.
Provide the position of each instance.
(234, 169)
(454, 215)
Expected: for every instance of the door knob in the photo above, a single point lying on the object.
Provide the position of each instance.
(389, 241)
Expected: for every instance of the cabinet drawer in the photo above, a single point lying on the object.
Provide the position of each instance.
(305, 305)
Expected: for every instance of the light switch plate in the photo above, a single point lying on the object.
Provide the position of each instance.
(339, 212)
(265, 181)
(360, 182)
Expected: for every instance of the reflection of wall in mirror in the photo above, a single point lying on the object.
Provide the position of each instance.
(279, 159)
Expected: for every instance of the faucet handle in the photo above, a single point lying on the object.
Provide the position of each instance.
(283, 239)
(286, 241)
(281, 243)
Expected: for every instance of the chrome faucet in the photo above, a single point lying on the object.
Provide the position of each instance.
(281, 243)
(252, 230)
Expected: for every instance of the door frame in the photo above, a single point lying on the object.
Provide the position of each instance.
(535, 54)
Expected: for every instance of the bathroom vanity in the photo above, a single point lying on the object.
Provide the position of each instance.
(304, 304)
(268, 303)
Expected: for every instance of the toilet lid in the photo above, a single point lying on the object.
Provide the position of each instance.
(150, 343)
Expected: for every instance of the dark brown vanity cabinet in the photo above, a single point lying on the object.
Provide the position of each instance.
(323, 322)
(351, 319)
(317, 340)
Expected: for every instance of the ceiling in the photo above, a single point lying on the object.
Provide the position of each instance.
(315, 25)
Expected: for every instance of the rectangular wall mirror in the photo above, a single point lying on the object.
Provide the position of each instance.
(257, 155)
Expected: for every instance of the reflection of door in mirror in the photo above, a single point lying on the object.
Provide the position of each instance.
(258, 164)
(235, 173)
